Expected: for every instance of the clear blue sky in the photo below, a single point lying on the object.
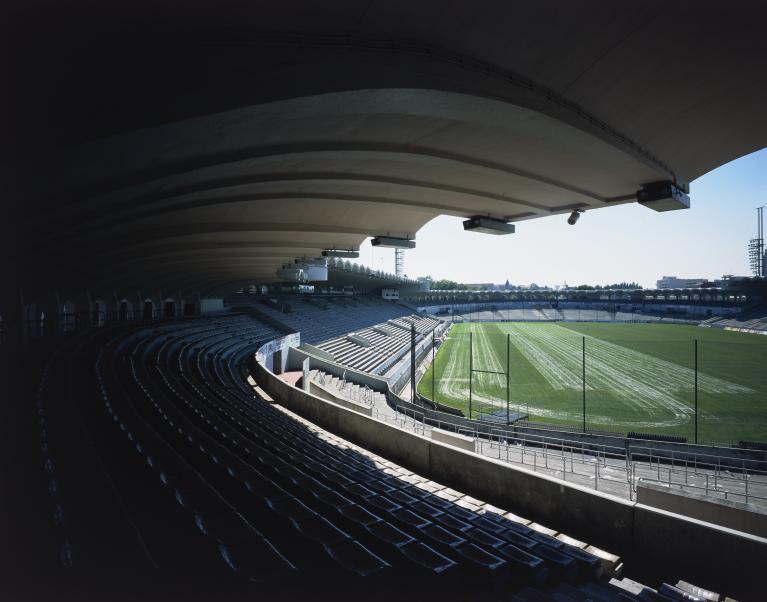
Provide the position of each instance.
(623, 243)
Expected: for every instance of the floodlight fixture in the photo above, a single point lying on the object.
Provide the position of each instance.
(488, 225)
(574, 216)
(664, 196)
(343, 253)
(392, 242)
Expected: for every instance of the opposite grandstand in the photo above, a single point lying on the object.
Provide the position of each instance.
(639, 377)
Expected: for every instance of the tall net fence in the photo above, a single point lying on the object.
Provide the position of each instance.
(682, 382)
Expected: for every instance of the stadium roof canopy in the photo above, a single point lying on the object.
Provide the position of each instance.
(190, 146)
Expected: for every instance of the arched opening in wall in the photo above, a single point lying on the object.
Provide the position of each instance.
(169, 308)
(148, 309)
(189, 309)
(68, 317)
(126, 310)
(99, 313)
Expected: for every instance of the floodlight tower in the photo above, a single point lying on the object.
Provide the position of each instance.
(756, 256)
(399, 263)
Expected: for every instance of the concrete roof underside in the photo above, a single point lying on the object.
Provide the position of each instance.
(199, 147)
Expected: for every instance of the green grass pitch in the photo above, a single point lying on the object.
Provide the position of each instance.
(639, 377)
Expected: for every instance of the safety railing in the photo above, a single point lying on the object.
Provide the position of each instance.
(616, 470)
(606, 468)
(711, 475)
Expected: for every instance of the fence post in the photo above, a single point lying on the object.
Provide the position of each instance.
(412, 362)
(584, 384)
(508, 374)
(696, 391)
(471, 366)
(433, 366)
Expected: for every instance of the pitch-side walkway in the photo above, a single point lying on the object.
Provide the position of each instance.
(607, 474)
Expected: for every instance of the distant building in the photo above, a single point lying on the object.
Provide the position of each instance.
(424, 283)
(674, 282)
(481, 286)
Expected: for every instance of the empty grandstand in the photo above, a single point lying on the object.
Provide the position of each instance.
(193, 469)
(753, 320)
(374, 349)
(205, 393)
(322, 318)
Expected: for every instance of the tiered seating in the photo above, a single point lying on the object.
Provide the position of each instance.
(323, 318)
(387, 340)
(347, 389)
(752, 319)
(422, 323)
(217, 484)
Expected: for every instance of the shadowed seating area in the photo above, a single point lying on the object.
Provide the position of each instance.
(182, 476)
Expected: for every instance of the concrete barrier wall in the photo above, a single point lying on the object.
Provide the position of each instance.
(599, 519)
(401, 446)
(732, 457)
(673, 547)
(727, 513)
(704, 456)
(467, 443)
(323, 393)
(651, 541)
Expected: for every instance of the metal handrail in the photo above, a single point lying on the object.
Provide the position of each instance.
(595, 464)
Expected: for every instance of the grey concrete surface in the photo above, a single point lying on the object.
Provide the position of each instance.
(454, 439)
(748, 518)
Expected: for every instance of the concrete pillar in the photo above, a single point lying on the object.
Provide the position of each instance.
(191, 306)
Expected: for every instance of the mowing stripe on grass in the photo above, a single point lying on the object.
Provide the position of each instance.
(638, 377)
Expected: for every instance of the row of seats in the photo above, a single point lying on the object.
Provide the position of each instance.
(755, 319)
(387, 340)
(568, 314)
(220, 485)
(322, 318)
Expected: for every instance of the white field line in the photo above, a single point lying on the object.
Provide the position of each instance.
(457, 363)
(454, 380)
(653, 388)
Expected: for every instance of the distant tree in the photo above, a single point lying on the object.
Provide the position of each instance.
(507, 286)
(608, 287)
(447, 285)
(623, 285)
